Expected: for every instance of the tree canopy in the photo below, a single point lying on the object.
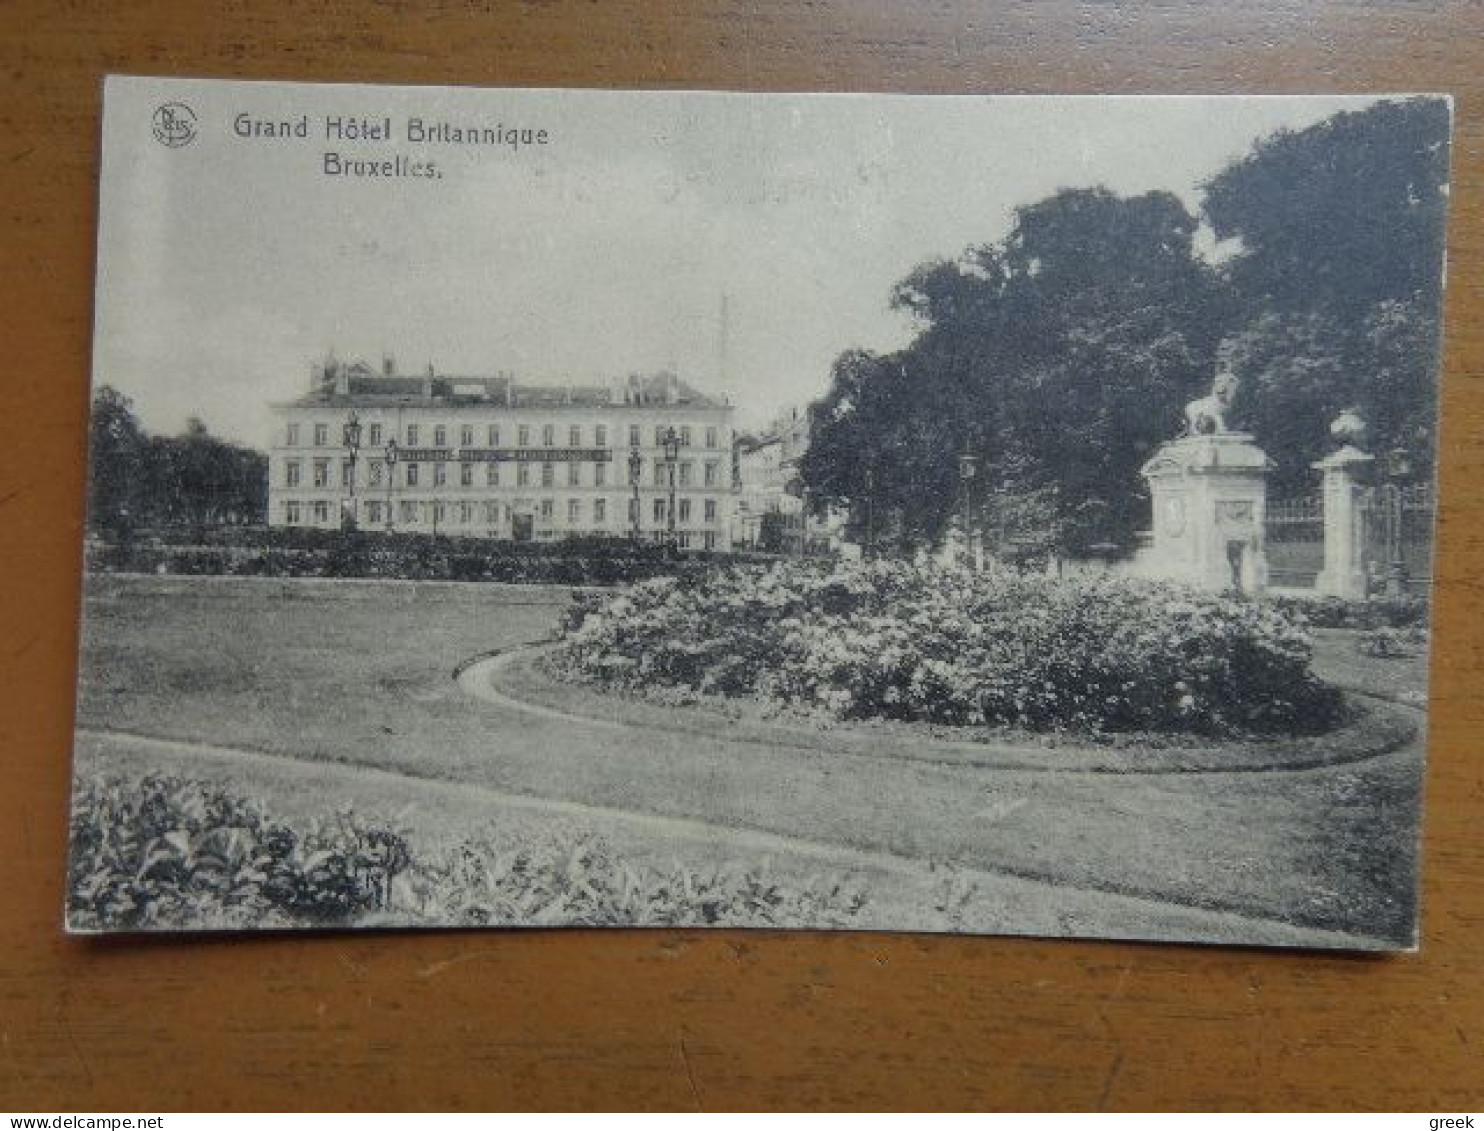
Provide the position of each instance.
(1063, 355)
(193, 479)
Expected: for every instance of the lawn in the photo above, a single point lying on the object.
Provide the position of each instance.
(359, 674)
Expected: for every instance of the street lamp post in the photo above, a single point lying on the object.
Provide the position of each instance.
(1398, 468)
(351, 435)
(636, 469)
(672, 455)
(391, 475)
(968, 468)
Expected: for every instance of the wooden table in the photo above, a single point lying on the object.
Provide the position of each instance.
(692, 1019)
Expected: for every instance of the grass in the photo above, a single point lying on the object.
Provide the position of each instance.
(358, 674)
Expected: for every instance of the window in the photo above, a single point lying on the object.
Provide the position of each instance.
(321, 435)
(523, 435)
(407, 511)
(494, 436)
(374, 438)
(711, 437)
(634, 471)
(685, 540)
(492, 474)
(600, 509)
(440, 435)
(373, 513)
(574, 511)
(466, 436)
(659, 473)
(492, 512)
(291, 513)
(710, 510)
(292, 439)
(548, 435)
(659, 435)
(412, 475)
(574, 474)
(600, 436)
(466, 475)
(548, 509)
(684, 510)
(321, 473)
(412, 435)
(709, 539)
(600, 475)
(291, 473)
(466, 513)
(321, 511)
(685, 469)
(574, 436)
(711, 469)
(659, 510)
(548, 474)
(440, 474)
(440, 513)
(633, 435)
(345, 473)
(378, 469)
(685, 435)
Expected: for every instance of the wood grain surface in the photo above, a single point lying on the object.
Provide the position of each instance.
(695, 1019)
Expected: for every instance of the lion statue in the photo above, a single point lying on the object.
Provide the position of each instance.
(1207, 415)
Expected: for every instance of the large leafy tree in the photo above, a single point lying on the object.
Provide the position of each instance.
(118, 459)
(195, 478)
(1337, 276)
(1059, 358)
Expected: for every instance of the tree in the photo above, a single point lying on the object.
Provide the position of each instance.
(195, 478)
(118, 461)
(1060, 358)
(1341, 230)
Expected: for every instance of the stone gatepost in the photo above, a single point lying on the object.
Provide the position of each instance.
(1209, 494)
(1344, 475)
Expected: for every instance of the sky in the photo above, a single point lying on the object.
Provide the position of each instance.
(743, 241)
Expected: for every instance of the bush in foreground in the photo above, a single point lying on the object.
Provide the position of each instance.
(163, 853)
(941, 645)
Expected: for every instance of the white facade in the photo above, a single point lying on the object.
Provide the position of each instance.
(489, 457)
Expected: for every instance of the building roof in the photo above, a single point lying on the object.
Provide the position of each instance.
(337, 384)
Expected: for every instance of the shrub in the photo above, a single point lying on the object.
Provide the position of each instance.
(165, 852)
(1367, 615)
(944, 645)
(583, 882)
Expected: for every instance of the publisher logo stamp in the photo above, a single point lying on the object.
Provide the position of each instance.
(174, 124)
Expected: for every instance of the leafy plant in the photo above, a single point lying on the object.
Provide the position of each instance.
(946, 645)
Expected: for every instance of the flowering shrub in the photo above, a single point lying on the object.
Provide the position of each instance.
(935, 644)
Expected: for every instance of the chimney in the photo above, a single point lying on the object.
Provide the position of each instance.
(342, 380)
(388, 365)
(428, 382)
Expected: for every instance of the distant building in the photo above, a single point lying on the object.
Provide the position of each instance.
(494, 457)
(771, 498)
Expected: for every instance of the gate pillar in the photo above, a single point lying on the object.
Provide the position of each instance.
(1344, 475)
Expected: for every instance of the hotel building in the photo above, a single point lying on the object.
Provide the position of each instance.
(495, 458)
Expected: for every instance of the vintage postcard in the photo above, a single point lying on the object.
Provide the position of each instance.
(529, 508)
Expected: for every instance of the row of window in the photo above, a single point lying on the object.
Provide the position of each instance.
(320, 469)
(409, 511)
(375, 435)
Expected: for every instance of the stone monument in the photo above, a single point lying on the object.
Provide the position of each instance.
(1209, 496)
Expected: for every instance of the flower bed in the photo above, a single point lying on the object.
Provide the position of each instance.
(929, 644)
